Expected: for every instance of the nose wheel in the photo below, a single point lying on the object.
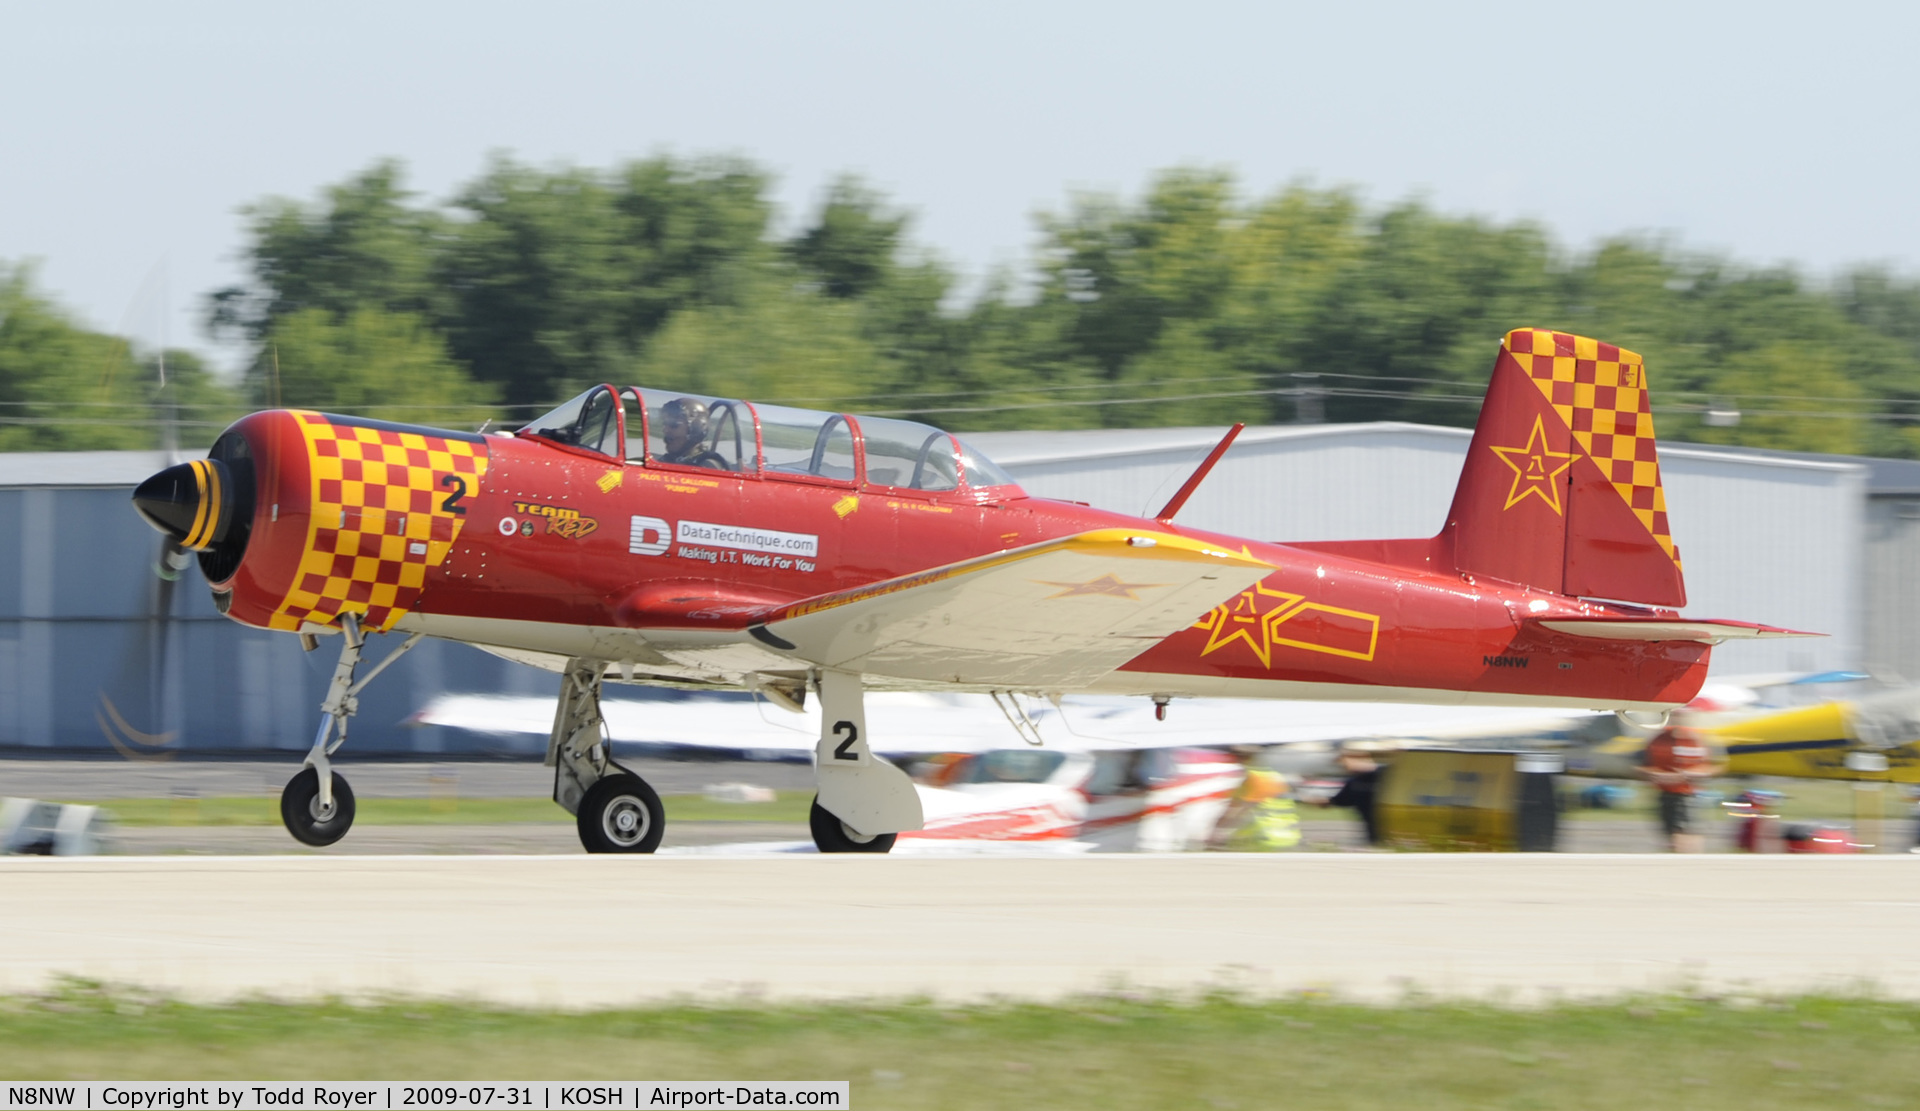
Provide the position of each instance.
(311, 819)
(621, 814)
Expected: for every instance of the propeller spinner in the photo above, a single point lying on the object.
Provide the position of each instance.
(192, 502)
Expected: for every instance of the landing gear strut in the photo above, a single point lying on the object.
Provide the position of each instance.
(317, 805)
(864, 802)
(616, 811)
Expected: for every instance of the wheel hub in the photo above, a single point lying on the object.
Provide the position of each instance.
(625, 820)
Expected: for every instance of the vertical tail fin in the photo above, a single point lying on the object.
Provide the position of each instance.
(1561, 488)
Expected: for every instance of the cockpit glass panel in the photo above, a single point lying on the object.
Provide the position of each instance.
(981, 471)
(909, 454)
(634, 410)
(804, 441)
(588, 421)
(690, 430)
(1012, 765)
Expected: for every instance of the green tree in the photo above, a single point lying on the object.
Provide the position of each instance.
(560, 277)
(67, 388)
(851, 246)
(389, 366)
(363, 245)
(1755, 381)
(1190, 304)
(786, 345)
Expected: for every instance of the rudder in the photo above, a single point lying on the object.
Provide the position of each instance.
(1561, 488)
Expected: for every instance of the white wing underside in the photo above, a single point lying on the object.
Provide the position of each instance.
(1053, 616)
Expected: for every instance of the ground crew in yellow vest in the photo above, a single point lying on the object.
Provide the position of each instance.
(1260, 817)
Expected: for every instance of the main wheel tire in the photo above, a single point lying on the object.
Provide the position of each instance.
(621, 814)
(831, 835)
(300, 809)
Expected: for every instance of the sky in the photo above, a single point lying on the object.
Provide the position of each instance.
(132, 134)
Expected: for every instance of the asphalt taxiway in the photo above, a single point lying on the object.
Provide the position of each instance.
(575, 931)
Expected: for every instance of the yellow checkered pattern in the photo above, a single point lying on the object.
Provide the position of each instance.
(1600, 392)
(386, 507)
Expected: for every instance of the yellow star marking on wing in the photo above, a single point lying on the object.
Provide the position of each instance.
(1106, 585)
(1534, 468)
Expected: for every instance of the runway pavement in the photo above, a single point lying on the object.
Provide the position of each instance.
(577, 931)
(1335, 831)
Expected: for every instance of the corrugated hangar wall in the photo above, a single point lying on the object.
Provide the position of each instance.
(1763, 538)
(1893, 570)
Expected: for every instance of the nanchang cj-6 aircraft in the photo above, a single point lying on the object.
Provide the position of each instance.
(654, 537)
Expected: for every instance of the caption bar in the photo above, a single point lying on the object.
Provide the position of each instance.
(399, 1095)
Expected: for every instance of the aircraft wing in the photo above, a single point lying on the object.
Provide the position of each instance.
(1057, 614)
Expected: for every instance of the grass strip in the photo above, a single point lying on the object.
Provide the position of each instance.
(1110, 1051)
(788, 806)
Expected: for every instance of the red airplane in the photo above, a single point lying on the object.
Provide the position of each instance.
(657, 537)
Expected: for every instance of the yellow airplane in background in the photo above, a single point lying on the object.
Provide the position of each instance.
(1836, 738)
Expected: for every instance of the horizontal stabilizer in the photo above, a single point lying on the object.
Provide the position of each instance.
(1711, 631)
(1051, 615)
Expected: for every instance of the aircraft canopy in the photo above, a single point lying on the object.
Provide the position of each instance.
(673, 429)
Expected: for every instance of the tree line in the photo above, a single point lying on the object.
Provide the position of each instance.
(1192, 304)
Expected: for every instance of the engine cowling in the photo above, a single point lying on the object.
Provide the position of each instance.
(299, 517)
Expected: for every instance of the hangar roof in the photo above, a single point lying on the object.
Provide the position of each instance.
(1016, 449)
(83, 468)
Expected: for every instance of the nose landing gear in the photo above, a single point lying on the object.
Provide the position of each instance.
(317, 805)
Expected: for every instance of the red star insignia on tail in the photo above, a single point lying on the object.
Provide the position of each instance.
(1535, 467)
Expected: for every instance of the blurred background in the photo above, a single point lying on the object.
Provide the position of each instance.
(1083, 233)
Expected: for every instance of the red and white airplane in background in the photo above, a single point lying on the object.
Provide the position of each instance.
(654, 537)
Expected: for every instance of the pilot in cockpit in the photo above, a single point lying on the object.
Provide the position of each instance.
(683, 432)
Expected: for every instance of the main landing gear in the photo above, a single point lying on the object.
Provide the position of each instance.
(317, 805)
(862, 805)
(864, 802)
(614, 809)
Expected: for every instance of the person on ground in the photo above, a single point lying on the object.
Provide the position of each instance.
(1677, 761)
(1260, 817)
(1361, 788)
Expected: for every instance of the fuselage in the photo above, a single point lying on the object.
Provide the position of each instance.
(552, 550)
